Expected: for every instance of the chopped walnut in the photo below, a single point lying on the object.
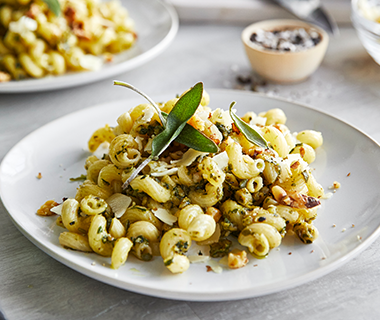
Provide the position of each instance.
(108, 57)
(45, 208)
(79, 30)
(295, 165)
(237, 259)
(70, 15)
(336, 185)
(214, 212)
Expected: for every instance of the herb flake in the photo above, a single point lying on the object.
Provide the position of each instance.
(80, 178)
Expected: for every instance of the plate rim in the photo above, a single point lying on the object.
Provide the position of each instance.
(70, 80)
(195, 296)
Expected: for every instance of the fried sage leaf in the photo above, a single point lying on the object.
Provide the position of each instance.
(175, 122)
(53, 6)
(182, 111)
(251, 134)
(195, 139)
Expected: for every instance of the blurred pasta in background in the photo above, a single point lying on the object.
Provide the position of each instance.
(35, 42)
(252, 194)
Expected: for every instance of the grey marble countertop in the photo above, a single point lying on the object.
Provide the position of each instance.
(35, 286)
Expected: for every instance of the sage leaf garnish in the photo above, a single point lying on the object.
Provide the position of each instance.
(53, 6)
(189, 136)
(174, 123)
(182, 111)
(196, 140)
(129, 86)
(249, 133)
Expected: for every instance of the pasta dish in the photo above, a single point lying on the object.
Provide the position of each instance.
(51, 37)
(237, 202)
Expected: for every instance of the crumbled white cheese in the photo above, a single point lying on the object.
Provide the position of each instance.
(22, 25)
(285, 171)
(90, 62)
(164, 172)
(222, 117)
(102, 150)
(188, 158)
(198, 259)
(161, 168)
(148, 146)
(119, 203)
(258, 121)
(203, 114)
(139, 140)
(149, 112)
(221, 160)
(57, 209)
(215, 266)
(165, 216)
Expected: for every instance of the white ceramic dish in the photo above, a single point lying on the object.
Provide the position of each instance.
(284, 66)
(156, 24)
(57, 150)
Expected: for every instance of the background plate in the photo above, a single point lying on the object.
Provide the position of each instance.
(156, 26)
(57, 150)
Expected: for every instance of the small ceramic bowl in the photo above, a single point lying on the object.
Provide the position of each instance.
(284, 66)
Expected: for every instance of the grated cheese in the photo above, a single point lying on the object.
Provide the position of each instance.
(215, 267)
(221, 160)
(90, 62)
(198, 259)
(258, 121)
(119, 203)
(148, 113)
(57, 209)
(139, 140)
(188, 158)
(22, 25)
(165, 216)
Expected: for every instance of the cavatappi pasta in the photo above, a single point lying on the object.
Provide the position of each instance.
(36, 43)
(249, 193)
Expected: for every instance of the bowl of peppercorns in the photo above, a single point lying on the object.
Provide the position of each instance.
(284, 51)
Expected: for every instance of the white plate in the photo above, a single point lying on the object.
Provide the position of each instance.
(156, 26)
(57, 150)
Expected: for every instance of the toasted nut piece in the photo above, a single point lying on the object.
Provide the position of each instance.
(214, 212)
(237, 259)
(44, 210)
(280, 195)
(5, 77)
